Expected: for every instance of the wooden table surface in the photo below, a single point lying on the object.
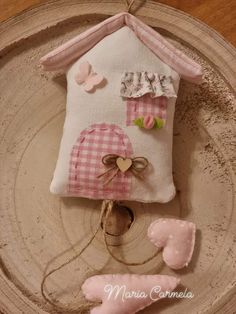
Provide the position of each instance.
(218, 14)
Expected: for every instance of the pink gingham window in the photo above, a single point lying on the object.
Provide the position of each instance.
(86, 163)
(145, 105)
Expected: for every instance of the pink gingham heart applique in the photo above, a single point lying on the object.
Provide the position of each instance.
(176, 237)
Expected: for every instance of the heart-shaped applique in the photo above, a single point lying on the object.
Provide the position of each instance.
(126, 293)
(124, 163)
(176, 237)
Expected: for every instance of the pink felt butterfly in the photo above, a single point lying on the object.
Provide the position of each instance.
(88, 77)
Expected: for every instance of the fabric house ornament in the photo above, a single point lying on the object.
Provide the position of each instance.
(123, 79)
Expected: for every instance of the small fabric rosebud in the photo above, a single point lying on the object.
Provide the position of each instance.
(148, 122)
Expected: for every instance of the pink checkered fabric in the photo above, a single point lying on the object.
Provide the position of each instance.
(76, 47)
(86, 163)
(145, 105)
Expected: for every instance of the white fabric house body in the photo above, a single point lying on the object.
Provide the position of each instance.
(141, 72)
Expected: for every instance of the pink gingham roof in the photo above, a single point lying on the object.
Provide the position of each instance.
(76, 47)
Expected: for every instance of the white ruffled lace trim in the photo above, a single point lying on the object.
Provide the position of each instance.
(136, 84)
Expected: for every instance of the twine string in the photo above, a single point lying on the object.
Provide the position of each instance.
(107, 214)
(106, 210)
(60, 307)
(129, 5)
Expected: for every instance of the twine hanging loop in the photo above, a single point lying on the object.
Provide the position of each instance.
(129, 5)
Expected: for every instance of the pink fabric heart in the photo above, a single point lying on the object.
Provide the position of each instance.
(126, 293)
(176, 237)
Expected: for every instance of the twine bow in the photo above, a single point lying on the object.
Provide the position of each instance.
(118, 164)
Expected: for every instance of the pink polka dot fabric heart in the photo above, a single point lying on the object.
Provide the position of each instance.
(176, 237)
(126, 293)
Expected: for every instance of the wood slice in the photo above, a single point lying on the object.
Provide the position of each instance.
(37, 226)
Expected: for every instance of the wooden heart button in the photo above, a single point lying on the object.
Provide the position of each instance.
(124, 163)
(176, 237)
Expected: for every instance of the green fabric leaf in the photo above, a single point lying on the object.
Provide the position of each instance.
(159, 123)
(139, 122)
